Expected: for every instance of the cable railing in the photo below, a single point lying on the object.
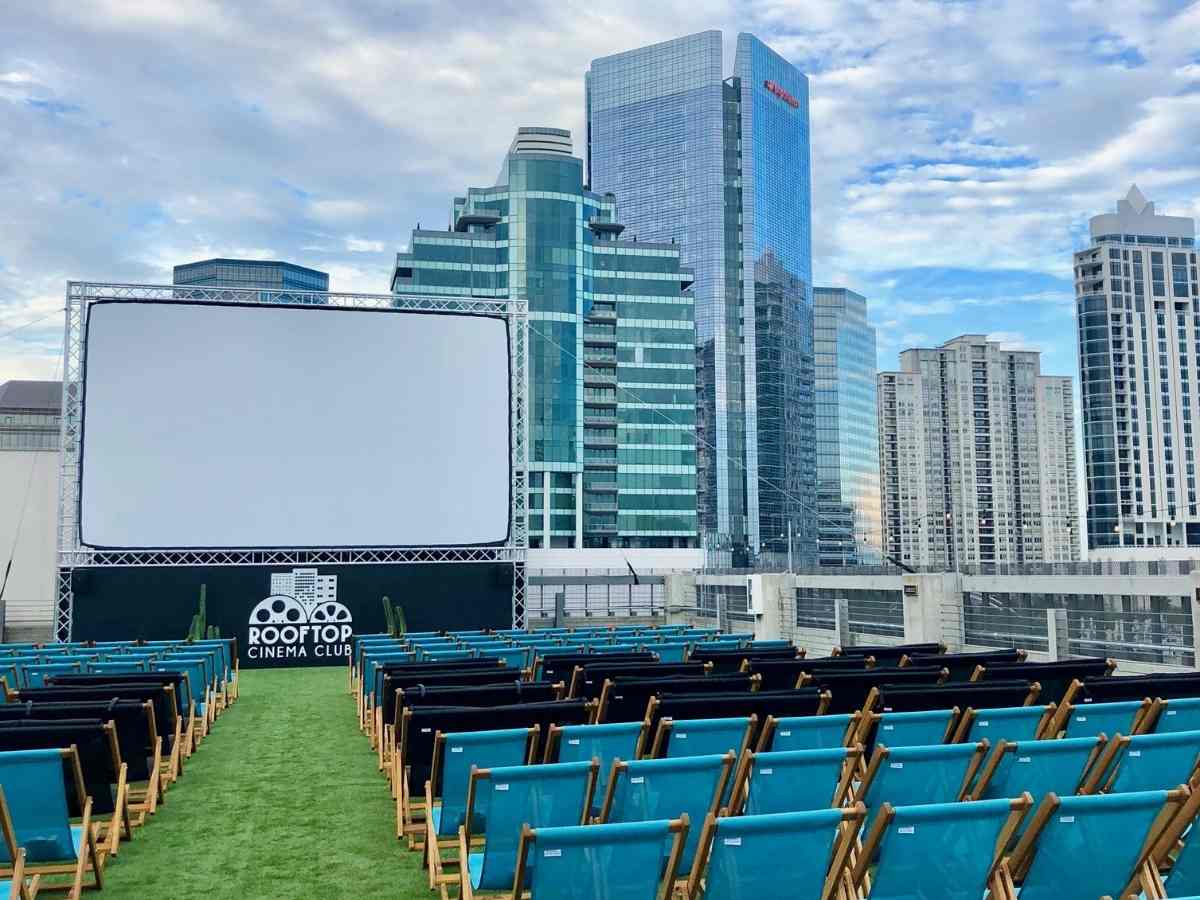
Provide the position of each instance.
(1163, 637)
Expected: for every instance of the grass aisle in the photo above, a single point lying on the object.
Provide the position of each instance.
(283, 800)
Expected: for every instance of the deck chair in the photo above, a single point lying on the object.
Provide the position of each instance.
(643, 790)
(36, 819)
(1146, 762)
(1038, 767)
(454, 756)
(920, 728)
(39, 675)
(793, 780)
(1180, 714)
(910, 776)
(1174, 863)
(1118, 717)
(504, 800)
(780, 856)
(593, 862)
(670, 651)
(808, 732)
(1004, 723)
(607, 743)
(1097, 844)
(951, 851)
(962, 665)
(702, 737)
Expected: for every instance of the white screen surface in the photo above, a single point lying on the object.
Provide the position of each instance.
(268, 426)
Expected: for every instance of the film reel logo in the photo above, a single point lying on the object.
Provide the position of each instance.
(284, 626)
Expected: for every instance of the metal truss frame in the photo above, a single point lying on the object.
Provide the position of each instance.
(72, 554)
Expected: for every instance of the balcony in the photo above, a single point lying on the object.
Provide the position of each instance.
(599, 507)
(596, 376)
(600, 487)
(601, 314)
(600, 527)
(598, 421)
(600, 443)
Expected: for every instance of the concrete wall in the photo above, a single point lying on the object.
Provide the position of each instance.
(29, 597)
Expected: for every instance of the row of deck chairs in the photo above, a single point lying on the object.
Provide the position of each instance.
(86, 757)
(741, 804)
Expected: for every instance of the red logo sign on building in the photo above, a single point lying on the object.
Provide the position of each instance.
(783, 95)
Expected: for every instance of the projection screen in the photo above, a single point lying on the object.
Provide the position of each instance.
(211, 426)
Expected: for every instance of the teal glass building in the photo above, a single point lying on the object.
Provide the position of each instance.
(612, 376)
(721, 166)
(849, 531)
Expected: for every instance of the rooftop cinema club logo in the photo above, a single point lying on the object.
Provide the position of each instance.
(301, 618)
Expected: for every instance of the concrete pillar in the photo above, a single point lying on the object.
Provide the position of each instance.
(929, 604)
(841, 623)
(1056, 631)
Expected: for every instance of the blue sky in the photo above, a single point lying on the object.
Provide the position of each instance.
(958, 147)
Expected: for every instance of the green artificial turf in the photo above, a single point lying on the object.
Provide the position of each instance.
(282, 800)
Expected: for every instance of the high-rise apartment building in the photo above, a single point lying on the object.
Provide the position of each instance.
(976, 457)
(720, 165)
(1138, 311)
(256, 274)
(612, 374)
(849, 529)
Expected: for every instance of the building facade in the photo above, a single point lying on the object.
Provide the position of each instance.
(30, 417)
(612, 375)
(256, 274)
(977, 458)
(849, 530)
(1138, 315)
(720, 165)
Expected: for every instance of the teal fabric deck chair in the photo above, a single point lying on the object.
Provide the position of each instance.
(1089, 846)
(607, 743)
(910, 776)
(516, 658)
(113, 667)
(602, 862)
(454, 755)
(503, 800)
(1039, 767)
(1146, 762)
(643, 790)
(912, 729)
(16, 886)
(809, 732)
(703, 737)
(1120, 717)
(35, 795)
(793, 780)
(669, 651)
(1004, 723)
(781, 856)
(36, 676)
(1182, 714)
(1181, 864)
(446, 655)
(950, 851)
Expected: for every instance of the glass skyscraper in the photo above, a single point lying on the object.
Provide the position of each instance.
(612, 376)
(720, 165)
(849, 531)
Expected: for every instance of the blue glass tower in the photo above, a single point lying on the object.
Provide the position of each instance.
(721, 165)
(612, 374)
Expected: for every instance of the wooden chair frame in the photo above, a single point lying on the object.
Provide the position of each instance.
(465, 838)
(667, 884)
(872, 719)
(1103, 773)
(91, 855)
(1143, 721)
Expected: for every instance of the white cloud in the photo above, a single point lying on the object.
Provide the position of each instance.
(362, 245)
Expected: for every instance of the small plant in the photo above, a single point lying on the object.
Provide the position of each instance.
(199, 620)
(389, 617)
(399, 619)
(214, 632)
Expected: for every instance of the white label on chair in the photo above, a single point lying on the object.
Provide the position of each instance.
(681, 736)
(896, 766)
(502, 787)
(789, 734)
(554, 852)
(766, 771)
(1081, 718)
(907, 829)
(426, 730)
(887, 709)
(456, 749)
(574, 742)
(733, 842)
(1171, 712)
(637, 779)
(1135, 752)
(1024, 759)
(984, 723)
(889, 727)
(1067, 820)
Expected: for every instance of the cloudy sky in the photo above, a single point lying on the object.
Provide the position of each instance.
(958, 147)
